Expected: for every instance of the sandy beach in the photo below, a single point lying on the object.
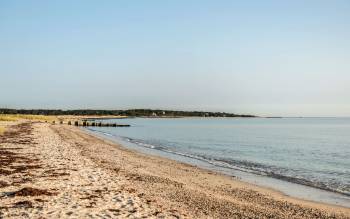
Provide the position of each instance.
(61, 171)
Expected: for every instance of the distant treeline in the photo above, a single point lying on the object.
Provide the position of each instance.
(130, 112)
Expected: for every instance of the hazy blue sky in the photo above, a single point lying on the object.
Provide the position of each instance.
(260, 57)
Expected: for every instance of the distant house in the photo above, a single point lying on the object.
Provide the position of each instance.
(154, 114)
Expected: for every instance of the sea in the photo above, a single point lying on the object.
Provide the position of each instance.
(307, 158)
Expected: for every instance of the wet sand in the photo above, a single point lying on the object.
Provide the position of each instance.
(60, 171)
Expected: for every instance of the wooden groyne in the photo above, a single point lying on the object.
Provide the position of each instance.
(99, 124)
(86, 123)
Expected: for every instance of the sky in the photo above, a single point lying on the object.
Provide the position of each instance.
(268, 58)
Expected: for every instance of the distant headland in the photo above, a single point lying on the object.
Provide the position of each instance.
(128, 113)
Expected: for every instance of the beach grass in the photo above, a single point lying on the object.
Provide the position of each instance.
(16, 117)
(7, 118)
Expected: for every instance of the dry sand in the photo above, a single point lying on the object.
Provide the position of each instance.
(59, 171)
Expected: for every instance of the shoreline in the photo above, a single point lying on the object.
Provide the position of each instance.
(287, 187)
(239, 176)
(79, 175)
(233, 178)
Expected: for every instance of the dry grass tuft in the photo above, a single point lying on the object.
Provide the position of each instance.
(2, 130)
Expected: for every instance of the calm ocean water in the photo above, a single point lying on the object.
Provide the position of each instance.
(308, 151)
